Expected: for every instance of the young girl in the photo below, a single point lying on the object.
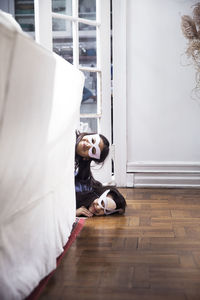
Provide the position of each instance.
(100, 201)
(89, 147)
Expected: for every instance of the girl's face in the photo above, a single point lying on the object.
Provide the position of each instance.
(96, 209)
(100, 206)
(90, 146)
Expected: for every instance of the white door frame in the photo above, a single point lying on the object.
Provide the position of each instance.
(43, 23)
(119, 91)
(104, 173)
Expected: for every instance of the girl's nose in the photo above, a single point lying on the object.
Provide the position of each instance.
(88, 145)
(98, 208)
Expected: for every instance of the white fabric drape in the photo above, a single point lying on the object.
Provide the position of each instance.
(40, 95)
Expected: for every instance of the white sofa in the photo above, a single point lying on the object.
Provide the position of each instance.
(40, 95)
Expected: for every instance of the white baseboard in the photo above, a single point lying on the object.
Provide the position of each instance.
(168, 175)
(163, 167)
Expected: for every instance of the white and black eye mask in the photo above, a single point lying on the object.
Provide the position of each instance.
(107, 203)
(94, 140)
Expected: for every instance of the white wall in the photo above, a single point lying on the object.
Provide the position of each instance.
(163, 121)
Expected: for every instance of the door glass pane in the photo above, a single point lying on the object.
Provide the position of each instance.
(26, 23)
(62, 6)
(88, 125)
(62, 39)
(86, 27)
(89, 100)
(87, 46)
(24, 15)
(59, 25)
(65, 26)
(87, 9)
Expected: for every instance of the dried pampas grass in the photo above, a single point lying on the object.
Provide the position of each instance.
(196, 15)
(191, 31)
(193, 50)
(188, 28)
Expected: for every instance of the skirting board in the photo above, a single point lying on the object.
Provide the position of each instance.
(169, 175)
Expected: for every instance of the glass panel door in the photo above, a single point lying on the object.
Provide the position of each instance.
(81, 35)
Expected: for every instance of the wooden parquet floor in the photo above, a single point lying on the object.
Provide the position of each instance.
(150, 253)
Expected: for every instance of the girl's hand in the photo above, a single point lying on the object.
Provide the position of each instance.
(83, 211)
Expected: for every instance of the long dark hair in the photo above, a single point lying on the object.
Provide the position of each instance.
(86, 198)
(82, 166)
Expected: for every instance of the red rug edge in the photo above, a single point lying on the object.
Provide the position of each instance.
(38, 290)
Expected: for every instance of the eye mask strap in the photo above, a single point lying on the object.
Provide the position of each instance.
(112, 211)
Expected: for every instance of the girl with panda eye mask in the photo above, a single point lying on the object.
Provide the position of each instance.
(92, 146)
(101, 201)
(89, 147)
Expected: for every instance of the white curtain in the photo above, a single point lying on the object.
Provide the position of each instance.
(40, 97)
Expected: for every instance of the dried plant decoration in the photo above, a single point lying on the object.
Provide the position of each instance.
(191, 30)
(196, 15)
(193, 51)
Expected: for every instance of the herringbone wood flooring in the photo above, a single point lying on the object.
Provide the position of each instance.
(150, 253)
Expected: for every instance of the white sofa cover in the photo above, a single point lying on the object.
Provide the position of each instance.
(40, 95)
